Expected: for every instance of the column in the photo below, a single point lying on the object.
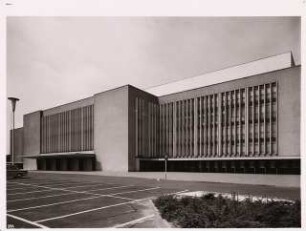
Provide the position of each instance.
(195, 128)
(63, 164)
(52, 164)
(219, 124)
(174, 130)
(246, 121)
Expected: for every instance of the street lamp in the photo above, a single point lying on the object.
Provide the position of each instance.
(13, 101)
(166, 165)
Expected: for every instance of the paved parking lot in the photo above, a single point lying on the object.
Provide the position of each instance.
(77, 204)
(77, 201)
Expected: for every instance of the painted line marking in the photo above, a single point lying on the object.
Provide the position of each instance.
(141, 190)
(39, 184)
(57, 184)
(36, 198)
(133, 221)
(12, 194)
(76, 200)
(72, 192)
(124, 186)
(80, 186)
(137, 191)
(153, 197)
(9, 189)
(58, 203)
(175, 193)
(44, 182)
(123, 198)
(27, 221)
(87, 211)
(74, 184)
(14, 189)
(58, 189)
(47, 185)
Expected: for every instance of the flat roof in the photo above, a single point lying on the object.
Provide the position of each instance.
(260, 66)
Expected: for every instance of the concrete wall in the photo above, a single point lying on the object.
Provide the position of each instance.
(31, 131)
(289, 112)
(111, 129)
(289, 103)
(133, 93)
(69, 106)
(29, 164)
(18, 144)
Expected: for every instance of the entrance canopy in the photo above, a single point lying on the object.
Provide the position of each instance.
(63, 154)
(72, 161)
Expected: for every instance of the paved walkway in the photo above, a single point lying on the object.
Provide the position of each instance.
(250, 179)
(195, 183)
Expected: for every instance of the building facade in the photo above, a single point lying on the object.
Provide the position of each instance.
(247, 125)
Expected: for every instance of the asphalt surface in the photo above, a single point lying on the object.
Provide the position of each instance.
(84, 201)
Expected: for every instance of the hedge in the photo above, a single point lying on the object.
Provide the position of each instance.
(210, 211)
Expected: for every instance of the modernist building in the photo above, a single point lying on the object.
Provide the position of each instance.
(250, 124)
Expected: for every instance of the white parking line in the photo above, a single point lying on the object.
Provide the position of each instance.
(12, 194)
(34, 185)
(47, 185)
(124, 186)
(175, 193)
(27, 221)
(58, 184)
(133, 221)
(72, 192)
(141, 190)
(54, 184)
(73, 184)
(82, 199)
(8, 189)
(57, 203)
(80, 186)
(87, 211)
(124, 198)
(37, 198)
(38, 182)
(58, 189)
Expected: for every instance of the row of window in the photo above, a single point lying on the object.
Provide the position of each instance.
(197, 122)
(68, 131)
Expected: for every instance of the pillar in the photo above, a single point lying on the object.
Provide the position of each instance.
(87, 164)
(53, 164)
(75, 164)
(63, 164)
(43, 164)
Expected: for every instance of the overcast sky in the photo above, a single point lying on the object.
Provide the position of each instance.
(52, 61)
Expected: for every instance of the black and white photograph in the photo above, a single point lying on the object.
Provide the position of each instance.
(153, 122)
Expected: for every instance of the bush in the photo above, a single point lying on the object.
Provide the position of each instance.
(209, 211)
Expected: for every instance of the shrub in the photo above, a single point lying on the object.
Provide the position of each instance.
(209, 211)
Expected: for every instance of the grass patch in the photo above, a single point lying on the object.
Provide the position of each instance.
(210, 211)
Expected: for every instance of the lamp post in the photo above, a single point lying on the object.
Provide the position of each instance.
(166, 165)
(13, 101)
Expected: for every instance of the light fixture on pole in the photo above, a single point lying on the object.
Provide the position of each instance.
(13, 101)
(166, 165)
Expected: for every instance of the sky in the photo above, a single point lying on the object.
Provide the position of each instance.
(56, 60)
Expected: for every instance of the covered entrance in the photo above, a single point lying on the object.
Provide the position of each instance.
(66, 162)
